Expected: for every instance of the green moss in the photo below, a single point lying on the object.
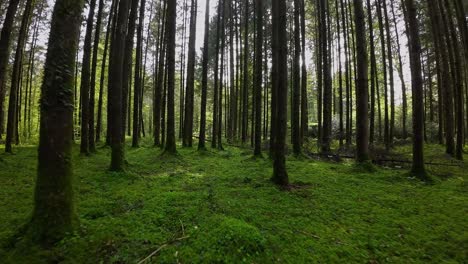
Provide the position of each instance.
(226, 210)
(229, 240)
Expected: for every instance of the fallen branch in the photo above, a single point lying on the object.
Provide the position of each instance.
(160, 248)
(378, 161)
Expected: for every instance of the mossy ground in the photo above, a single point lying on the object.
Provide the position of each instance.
(221, 207)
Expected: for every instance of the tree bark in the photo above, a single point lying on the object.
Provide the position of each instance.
(53, 215)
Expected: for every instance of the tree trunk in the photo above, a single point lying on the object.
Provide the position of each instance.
(327, 87)
(160, 80)
(258, 77)
(296, 92)
(385, 84)
(128, 67)
(171, 30)
(16, 77)
(189, 91)
(214, 134)
(304, 99)
(103, 69)
(402, 79)
(280, 52)
(245, 82)
(5, 41)
(53, 215)
(115, 89)
(92, 94)
(458, 83)
(86, 80)
(362, 89)
(202, 136)
(137, 90)
(390, 74)
(417, 91)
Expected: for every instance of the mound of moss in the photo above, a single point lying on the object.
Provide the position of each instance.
(231, 240)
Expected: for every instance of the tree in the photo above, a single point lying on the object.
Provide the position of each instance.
(417, 91)
(304, 99)
(158, 115)
(92, 94)
(170, 29)
(390, 74)
(245, 82)
(16, 77)
(258, 77)
(202, 136)
(387, 139)
(280, 52)
(362, 89)
(86, 80)
(189, 91)
(373, 74)
(109, 30)
(53, 215)
(5, 41)
(327, 82)
(216, 106)
(138, 78)
(296, 92)
(115, 88)
(128, 67)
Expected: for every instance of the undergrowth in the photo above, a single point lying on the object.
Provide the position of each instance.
(220, 207)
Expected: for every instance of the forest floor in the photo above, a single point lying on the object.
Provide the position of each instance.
(220, 207)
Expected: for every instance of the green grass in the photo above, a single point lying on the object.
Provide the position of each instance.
(220, 207)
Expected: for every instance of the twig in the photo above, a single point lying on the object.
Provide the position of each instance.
(160, 248)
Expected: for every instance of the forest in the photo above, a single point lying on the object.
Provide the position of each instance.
(233, 131)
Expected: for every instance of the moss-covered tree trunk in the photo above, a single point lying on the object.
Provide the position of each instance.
(53, 214)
